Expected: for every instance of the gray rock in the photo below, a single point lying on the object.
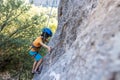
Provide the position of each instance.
(86, 45)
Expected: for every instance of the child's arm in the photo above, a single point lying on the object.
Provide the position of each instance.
(44, 45)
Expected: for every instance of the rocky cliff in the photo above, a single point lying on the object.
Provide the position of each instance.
(86, 45)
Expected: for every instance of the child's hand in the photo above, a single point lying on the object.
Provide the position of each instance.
(49, 49)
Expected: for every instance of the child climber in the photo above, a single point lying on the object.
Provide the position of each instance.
(35, 47)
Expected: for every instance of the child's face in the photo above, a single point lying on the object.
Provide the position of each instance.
(48, 38)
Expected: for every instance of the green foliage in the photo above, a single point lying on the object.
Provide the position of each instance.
(20, 24)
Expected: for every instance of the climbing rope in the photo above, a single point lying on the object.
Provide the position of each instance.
(50, 14)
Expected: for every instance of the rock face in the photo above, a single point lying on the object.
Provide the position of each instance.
(86, 45)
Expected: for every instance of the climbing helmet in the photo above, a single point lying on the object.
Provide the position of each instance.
(48, 31)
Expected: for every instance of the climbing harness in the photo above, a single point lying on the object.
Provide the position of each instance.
(34, 46)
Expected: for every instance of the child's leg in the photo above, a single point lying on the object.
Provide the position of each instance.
(34, 64)
(38, 64)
